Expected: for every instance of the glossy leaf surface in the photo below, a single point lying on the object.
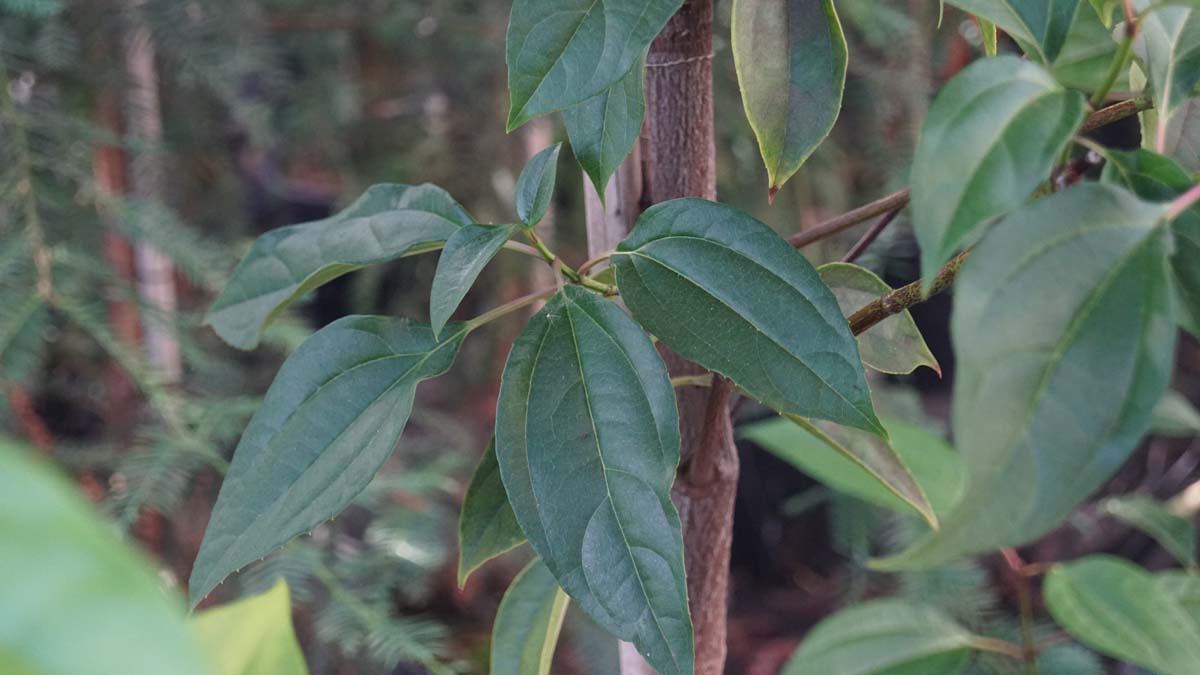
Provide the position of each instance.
(487, 526)
(74, 599)
(1087, 54)
(464, 256)
(563, 52)
(587, 438)
(528, 623)
(723, 290)
(1041, 23)
(934, 466)
(1156, 178)
(535, 185)
(1053, 394)
(791, 60)
(1174, 533)
(329, 420)
(604, 128)
(990, 138)
(1120, 610)
(880, 637)
(251, 636)
(387, 222)
(892, 346)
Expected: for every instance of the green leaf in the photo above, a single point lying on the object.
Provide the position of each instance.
(1168, 47)
(1174, 533)
(1122, 611)
(921, 456)
(73, 598)
(604, 128)
(883, 637)
(387, 222)
(487, 526)
(791, 67)
(466, 253)
(1042, 24)
(990, 138)
(563, 52)
(1182, 141)
(1052, 397)
(1087, 54)
(1175, 416)
(331, 417)
(987, 35)
(527, 623)
(252, 636)
(587, 437)
(1104, 10)
(895, 345)
(1156, 178)
(535, 185)
(725, 291)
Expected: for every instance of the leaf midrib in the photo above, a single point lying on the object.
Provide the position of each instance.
(770, 337)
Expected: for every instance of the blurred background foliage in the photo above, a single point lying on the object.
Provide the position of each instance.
(145, 143)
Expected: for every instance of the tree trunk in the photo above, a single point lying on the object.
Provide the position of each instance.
(156, 274)
(676, 158)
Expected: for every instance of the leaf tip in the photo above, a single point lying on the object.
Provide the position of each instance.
(771, 192)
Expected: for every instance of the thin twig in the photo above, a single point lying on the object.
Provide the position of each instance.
(1113, 113)
(904, 297)
(1025, 599)
(510, 307)
(871, 235)
(849, 219)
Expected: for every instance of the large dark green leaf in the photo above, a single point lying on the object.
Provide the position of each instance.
(1175, 533)
(466, 253)
(527, 623)
(328, 422)
(73, 598)
(252, 636)
(487, 526)
(1064, 336)
(604, 128)
(1154, 177)
(535, 185)
(387, 222)
(915, 453)
(791, 66)
(990, 138)
(1121, 610)
(892, 346)
(563, 52)
(882, 637)
(1168, 47)
(1041, 24)
(725, 291)
(587, 437)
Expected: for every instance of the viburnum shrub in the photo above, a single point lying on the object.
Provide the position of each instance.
(1069, 291)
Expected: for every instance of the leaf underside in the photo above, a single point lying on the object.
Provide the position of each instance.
(1053, 394)
(528, 622)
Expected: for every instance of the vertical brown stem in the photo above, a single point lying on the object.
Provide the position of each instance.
(678, 160)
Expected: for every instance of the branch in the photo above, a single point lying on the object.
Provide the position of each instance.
(896, 200)
(871, 235)
(904, 297)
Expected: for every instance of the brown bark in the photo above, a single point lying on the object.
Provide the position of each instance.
(677, 159)
(155, 273)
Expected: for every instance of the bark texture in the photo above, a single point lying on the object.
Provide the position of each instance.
(677, 159)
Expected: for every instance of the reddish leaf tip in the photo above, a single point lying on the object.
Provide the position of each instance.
(774, 190)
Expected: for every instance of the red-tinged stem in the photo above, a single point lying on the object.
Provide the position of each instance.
(1183, 202)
